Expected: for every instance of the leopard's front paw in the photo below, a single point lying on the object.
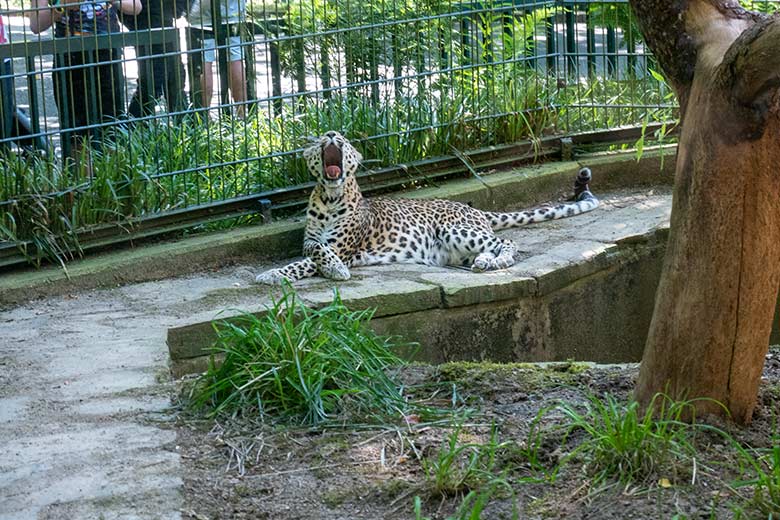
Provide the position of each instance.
(272, 277)
(483, 262)
(335, 272)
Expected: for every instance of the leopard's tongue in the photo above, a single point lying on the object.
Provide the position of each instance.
(332, 172)
(331, 157)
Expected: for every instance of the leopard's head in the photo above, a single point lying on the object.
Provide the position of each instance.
(332, 159)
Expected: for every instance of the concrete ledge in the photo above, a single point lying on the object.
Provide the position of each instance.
(512, 189)
(505, 317)
(583, 290)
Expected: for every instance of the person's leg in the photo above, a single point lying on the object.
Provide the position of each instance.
(70, 96)
(207, 83)
(207, 78)
(237, 74)
(142, 97)
(237, 79)
(175, 98)
(110, 86)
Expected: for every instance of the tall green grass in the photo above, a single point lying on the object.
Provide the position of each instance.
(761, 478)
(468, 469)
(459, 466)
(302, 366)
(628, 444)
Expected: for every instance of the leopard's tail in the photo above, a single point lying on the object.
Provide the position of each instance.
(582, 201)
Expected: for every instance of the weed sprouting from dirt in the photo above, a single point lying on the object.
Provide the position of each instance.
(462, 466)
(474, 503)
(301, 366)
(763, 468)
(628, 444)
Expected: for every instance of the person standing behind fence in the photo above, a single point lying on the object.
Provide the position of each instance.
(89, 84)
(160, 70)
(233, 13)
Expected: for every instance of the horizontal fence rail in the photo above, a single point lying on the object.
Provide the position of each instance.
(186, 113)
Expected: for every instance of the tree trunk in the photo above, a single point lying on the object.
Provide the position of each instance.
(719, 286)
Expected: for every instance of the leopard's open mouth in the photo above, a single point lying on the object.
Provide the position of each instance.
(331, 159)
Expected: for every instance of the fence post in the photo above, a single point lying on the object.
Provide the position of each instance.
(247, 32)
(611, 51)
(570, 19)
(397, 65)
(276, 73)
(552, 45)
(590, 42)
(486, 29)
(325, 66)
(465, 38)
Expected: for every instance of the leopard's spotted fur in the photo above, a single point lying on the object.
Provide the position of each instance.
(345, 230)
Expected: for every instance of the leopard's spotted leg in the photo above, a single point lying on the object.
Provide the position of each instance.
(491, 260)
(326, 260)
(291, 272)
(491, 252)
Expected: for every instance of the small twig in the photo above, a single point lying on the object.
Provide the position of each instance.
(312, 468)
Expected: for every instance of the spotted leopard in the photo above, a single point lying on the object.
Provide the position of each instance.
(345, 230)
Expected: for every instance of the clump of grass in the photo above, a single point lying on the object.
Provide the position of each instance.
(473, 505)
(459, 467)
(630, 445)
(301, 366)
(764, 467)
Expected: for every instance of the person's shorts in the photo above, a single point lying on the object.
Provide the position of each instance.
(236, 51)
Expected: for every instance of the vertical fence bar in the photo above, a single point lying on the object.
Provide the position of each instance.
(590, 42)
(570, 20)
(32, 92)
(486, 33)
(276, 73)
(552, 45)
(465, 38)
(611, 52)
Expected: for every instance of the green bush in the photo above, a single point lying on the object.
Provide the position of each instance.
(302, 366)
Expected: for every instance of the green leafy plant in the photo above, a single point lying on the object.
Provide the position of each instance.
(763, 468)
(472, 507)
(462, 466)
(627, 444)
(301, 366)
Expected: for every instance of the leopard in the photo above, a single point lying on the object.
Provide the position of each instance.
(344, 229)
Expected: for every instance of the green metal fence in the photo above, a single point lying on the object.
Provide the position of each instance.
(405, 80)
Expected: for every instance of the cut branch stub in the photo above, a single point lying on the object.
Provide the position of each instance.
(751, 68)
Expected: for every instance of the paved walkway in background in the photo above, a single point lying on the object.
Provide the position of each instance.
(84, 387)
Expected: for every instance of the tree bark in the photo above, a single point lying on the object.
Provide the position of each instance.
(719, 285)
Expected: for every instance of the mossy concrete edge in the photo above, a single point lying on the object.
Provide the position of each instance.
(189, 343)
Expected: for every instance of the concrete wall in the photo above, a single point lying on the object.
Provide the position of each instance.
(603, 317)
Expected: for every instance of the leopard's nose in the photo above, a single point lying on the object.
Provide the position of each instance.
(331, 134)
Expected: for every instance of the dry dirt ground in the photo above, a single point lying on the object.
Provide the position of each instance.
(235, 469)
